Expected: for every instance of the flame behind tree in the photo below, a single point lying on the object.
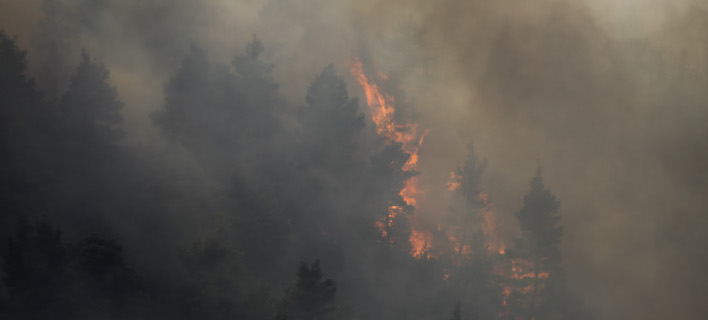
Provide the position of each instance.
(474, 248)
(536, 277)
(409, 138)
(465, 226)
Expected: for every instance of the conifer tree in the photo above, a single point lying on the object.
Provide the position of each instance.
(311, 298)
(332, 124)
(91, 107)
(538, 249)
(469, 201)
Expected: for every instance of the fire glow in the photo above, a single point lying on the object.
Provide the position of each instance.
(408, 136)
(382, 108)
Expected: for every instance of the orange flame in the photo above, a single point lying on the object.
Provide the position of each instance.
(420, 243)
(455, 182)
(518, 269)
(407, 135)
(489, 227)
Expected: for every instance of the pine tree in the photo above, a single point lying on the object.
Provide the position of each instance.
(467, 205)
(13, 81)
(538, 249)
(260, 91)
(91, 106)
(50, 279)
(329, 160)
(470, 259)
(218, 114)
(311, 298)
(23, 126)
(332, 124)
(187, 98)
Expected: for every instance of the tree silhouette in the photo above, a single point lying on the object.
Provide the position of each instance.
(259, 91)
(467, 205)
(91, 106)
(217, 114)
(538, 248)
(329, 161)
(311, 298)
(50, 279)
(332, 124)
(23, 128)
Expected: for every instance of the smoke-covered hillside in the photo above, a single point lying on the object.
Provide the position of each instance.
(284, 159)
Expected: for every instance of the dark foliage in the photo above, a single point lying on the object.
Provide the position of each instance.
(249, 186)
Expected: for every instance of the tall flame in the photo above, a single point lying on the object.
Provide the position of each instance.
(382, 108)
(490, 229)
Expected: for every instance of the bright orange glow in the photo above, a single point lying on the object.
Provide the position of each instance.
(519, 269)
(490, 229)
(457, 247)
(410, 192)
(420, 242)
(407, 135)
(382, 113)
(455, 182)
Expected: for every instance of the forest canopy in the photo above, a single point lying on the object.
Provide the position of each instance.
(274, 160)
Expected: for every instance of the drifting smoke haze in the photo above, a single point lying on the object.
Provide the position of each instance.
(610, 97)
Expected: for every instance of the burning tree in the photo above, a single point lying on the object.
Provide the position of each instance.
(473, 247)
(535, 259)
(465, 230)
(399, 159)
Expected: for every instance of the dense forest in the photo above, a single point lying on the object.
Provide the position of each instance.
(250, 205)
(275, 202)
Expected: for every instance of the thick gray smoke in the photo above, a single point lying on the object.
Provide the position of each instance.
(611, 98)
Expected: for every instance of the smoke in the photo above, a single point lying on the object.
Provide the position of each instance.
(609, 96)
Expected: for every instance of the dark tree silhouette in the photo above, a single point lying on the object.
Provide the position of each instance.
(470, 261)
(332, 125)
(218, 115)
(49, 279)
(90, 106)
(329, 160)
(259, 92)
(23, 127)
(467, 204)
(538, 249)
(311, 298)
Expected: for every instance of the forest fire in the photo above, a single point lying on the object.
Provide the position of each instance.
(490, 229)
(408, 136)
(517, 278)
(455, 182)
(420, 243)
